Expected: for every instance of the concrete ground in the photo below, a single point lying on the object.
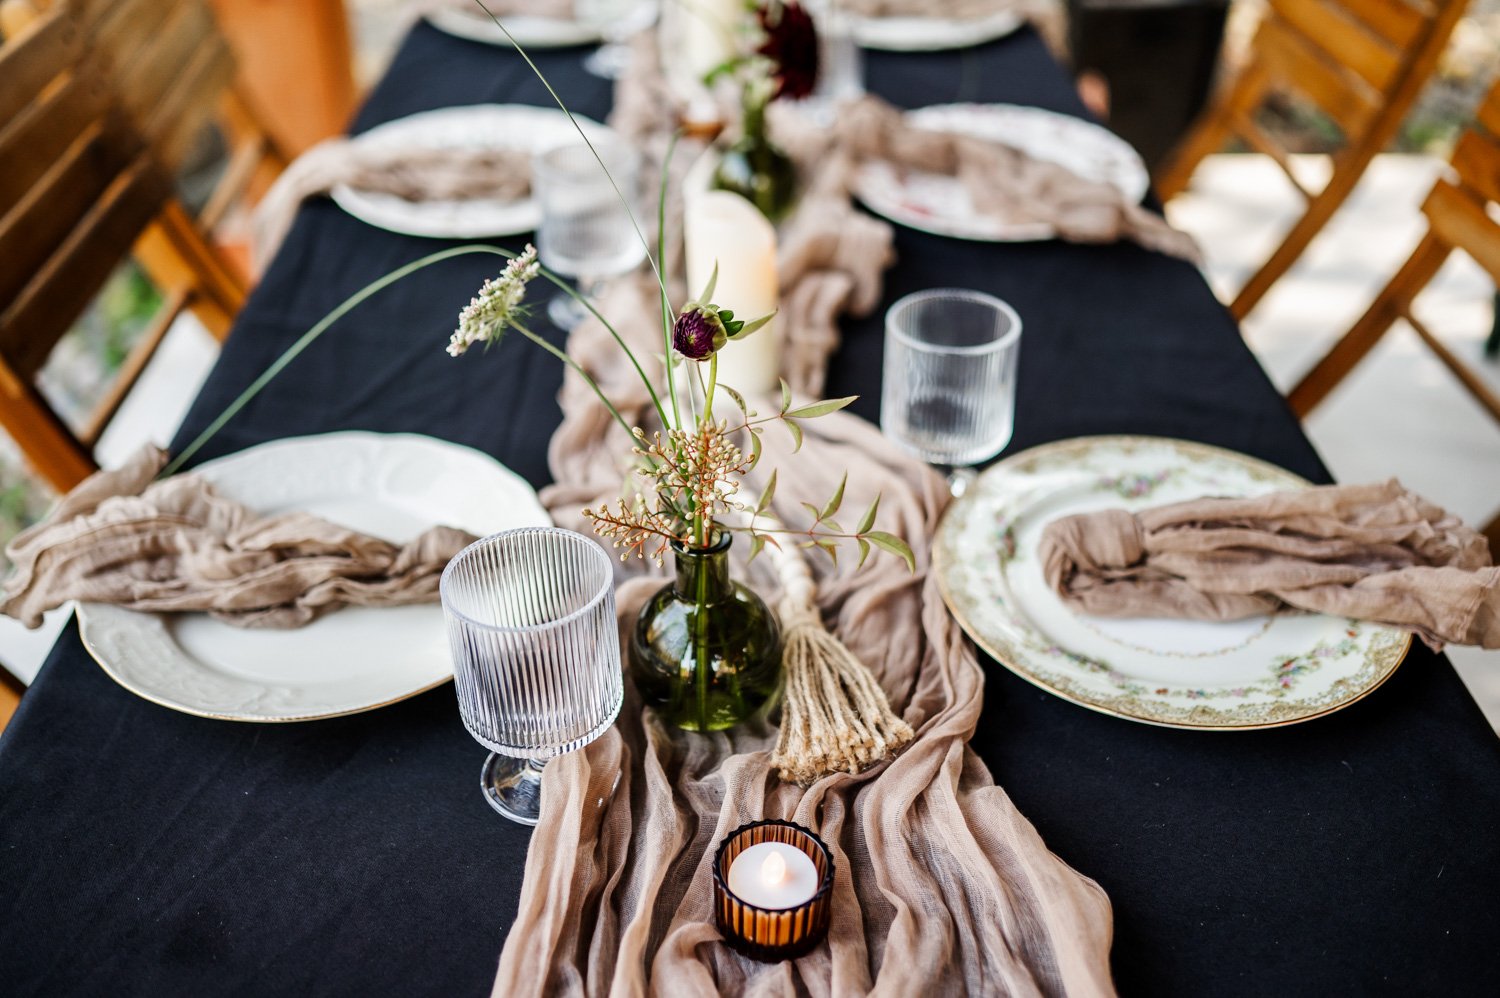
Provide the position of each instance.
(1399, 413)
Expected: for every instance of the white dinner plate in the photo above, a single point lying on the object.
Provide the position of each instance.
(1236, 675)
(940, 204)
(531, 32)
(477, 126)
(393, 486)
(933, 34)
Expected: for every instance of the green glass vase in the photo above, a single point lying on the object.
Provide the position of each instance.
(755, 168)
(706, 652)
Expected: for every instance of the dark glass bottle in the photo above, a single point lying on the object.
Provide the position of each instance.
(756, 169)
(706, 652)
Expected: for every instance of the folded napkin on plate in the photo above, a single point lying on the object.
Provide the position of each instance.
(1007, 183)
(1368, 552)
(177, 545)
(412, 174)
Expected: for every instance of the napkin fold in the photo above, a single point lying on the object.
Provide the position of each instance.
(1369, 552)
(1007, 183)
(414, 174)
(177, 545)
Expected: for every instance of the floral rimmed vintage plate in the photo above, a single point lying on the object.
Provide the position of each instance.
(939, 204)
(390, 485)
(1238, 675)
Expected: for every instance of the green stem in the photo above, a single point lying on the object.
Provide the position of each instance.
(312, 334)
(661, 283)
(713, 383)
(666, 304)
(701, 659)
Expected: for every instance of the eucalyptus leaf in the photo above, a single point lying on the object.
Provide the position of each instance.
(892, 544)
(868, 520)
(786, 396)
(757, 542)
(764, 503)
(864, 551)
(796, 432)
(708, 290)
(837, 500)
(821, 408)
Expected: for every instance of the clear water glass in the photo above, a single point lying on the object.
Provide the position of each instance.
(586, 232)
(949, 389)
(617, 20)
(841, 70)
(536, 654)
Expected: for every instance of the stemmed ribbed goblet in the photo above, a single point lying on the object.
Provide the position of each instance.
(949, 388)
(536, 654)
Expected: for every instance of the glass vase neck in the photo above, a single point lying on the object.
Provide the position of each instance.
(703, 573)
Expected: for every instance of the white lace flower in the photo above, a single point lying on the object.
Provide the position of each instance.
(497, 306)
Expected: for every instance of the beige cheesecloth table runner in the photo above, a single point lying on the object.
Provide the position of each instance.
(1371, 552)
(177, 545)
(943, 887)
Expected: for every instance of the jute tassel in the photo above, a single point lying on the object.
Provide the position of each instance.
(834, 715)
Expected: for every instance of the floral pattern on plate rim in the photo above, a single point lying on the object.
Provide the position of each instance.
(1379, 649)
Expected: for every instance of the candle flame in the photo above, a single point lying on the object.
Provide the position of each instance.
(773, 870)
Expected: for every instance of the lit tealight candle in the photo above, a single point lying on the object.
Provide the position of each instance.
(773, 875)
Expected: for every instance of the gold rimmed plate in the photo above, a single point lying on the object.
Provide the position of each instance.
(1231, 676)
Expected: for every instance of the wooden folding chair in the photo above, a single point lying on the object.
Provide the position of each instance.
(1457, 218)
(100, 104)
(1362, 62)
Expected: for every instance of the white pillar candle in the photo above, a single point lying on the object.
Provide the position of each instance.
(773, 875)
(708, 33)
(724, 228)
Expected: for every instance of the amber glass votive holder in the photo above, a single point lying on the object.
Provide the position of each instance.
(772, 934)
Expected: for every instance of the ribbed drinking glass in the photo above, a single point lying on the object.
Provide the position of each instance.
(536, 654)
(949, 388)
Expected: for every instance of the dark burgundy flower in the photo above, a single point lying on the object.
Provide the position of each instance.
(698, 332)
(792, 45)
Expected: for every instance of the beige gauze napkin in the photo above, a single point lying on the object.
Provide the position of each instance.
(1369, 552)
(413, 174)
(942, 886)
(1001, 181)
(177, 545)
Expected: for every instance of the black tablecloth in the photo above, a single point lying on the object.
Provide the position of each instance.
(147, 852)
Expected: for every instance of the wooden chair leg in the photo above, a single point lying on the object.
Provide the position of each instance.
(49, 446)
(173, 251)
(1320, 209)
(1315, 385)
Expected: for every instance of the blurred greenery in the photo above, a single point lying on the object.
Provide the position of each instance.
(85, 362)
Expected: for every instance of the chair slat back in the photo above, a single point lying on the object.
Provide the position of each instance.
(1346, 40)
(102, 101)
(1363, 62)
(1458, 212)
